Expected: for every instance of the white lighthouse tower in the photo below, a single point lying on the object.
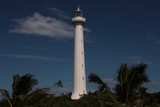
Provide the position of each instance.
(79, 83)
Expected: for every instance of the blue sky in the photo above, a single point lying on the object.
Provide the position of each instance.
(37, 37)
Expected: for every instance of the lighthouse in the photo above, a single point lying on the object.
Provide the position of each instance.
(79, 79)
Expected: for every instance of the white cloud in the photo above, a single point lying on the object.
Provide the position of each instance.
(33, 57)
(39, 25)
(59, 13)
(62, 14)
(43, 26)
(87, 30)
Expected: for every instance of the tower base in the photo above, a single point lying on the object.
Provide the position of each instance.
(76, 95)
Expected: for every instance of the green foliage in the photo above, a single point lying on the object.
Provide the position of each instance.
(22, 85)
(58, 83)
(23, 92)
(128, 92)
(129, 80)
(102, 86)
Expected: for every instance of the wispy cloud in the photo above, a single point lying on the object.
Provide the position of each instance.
(32, 48)
(59, 13)
(62, 14)
(40, 25)
(87, 30)
(150, 37)
(43, 26)
(158, 42)
(34, 57)
(154, 86)
(153, 38)
(157, 45)
(137, 59)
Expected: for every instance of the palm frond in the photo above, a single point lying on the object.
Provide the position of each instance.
(136, 77)
(23, 84)
(121, 79)
(36, 95)
(58, 83)
(129, 79)
(96, 79)
(6, 95)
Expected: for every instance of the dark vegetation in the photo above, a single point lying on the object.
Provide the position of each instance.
(128, 92)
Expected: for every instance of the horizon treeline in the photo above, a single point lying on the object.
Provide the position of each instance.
(129, 91)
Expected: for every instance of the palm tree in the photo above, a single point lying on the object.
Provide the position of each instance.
(22, 88)
(102, 86)
(58, 84)
(104, 96)
(7, 96)
(36, 97)
(148, 100)
(129, 80)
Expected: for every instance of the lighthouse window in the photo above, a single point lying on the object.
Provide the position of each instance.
(81, 40)
(82, 53)
(82, 65)
(78, 13)
(82, 78)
